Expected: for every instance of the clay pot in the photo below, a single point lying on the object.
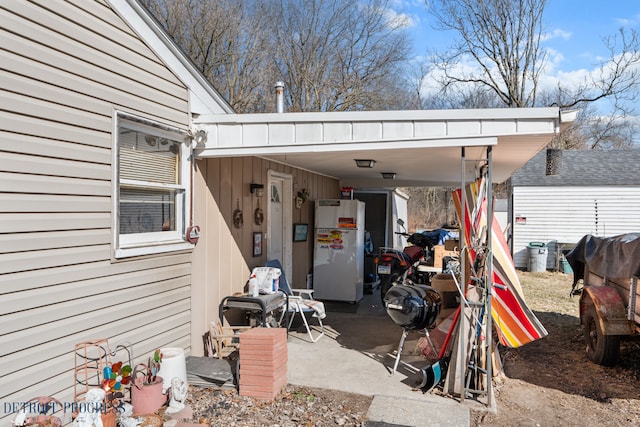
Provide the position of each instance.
(147, 398)
(108, 419)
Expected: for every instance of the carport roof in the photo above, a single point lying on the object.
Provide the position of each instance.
(422, 147)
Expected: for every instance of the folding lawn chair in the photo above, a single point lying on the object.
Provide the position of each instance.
(300, 301)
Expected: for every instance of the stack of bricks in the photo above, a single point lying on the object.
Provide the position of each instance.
(263, 362)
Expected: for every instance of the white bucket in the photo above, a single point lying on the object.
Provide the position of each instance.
(173, 365)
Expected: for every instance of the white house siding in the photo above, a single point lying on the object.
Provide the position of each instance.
(65, 67)
(557, 214)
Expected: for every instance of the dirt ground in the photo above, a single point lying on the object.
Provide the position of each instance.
(551, 382)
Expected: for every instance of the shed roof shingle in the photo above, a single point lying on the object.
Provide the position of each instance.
(582, 168)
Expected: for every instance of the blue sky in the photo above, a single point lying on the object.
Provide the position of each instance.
(574, 29)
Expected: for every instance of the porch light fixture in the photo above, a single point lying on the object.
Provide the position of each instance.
(388, 175)
(365, 163)
(257, 189)
(200, 138)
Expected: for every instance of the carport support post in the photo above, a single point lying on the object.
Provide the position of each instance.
(462, 327)
(489, 284)
(463, 344)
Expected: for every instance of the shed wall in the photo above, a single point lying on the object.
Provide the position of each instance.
(565, 214)
(66, 67)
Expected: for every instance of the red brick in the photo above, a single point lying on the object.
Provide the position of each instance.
(256, 372)
(262, 388)
(260, 359)
(274, 347)
(264, 334)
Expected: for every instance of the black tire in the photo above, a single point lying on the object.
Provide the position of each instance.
(386, 282)
(601, 349)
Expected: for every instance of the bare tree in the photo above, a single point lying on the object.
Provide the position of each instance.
(334, 55)
(617, 78)
(226, 40)
(503, 38)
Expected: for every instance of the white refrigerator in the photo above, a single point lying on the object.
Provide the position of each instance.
(338, 260)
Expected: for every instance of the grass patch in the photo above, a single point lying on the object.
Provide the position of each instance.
(549, 292)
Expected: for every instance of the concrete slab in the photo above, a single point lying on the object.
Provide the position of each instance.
(385, 410)
(357, 355)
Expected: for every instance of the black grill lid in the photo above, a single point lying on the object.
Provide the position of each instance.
(413, 306)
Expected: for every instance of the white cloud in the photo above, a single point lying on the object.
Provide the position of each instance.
(399, 20)
(628, 22)
(556, 34)
(554, 59)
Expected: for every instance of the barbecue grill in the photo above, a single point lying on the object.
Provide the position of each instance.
(413, 306)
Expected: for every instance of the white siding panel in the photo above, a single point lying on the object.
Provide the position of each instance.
(464, 127)
(30, 222)
(97, 84)
(431, 129)
(34, 260)
(311, 132)
(62, 328)
(283, 133)
(34, 126)
(10, 202)
(37, 316)
(52, 111)
(67, 274)
(43, 146)
(24, 85)
(397, 129)
(336, 131)
(102, 24)
(60, 363)
(125, 63)
(25, 163)
(67, 292)
(566, 214)
(254, 135)
(61, 239)
(20, 183)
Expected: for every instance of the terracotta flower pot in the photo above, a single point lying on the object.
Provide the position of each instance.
(108, 419)
(147, 398)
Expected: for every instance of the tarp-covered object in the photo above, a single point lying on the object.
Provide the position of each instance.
(613, 257)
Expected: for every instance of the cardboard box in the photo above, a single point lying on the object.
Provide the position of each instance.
(346, 193)
(452, 245)
(440, 252)
(448, 290)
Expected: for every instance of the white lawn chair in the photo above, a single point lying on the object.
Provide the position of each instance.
(300, 301)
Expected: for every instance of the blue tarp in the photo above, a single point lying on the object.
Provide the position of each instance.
(440, 235)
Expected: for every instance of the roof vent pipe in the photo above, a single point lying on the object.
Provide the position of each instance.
(279, 97)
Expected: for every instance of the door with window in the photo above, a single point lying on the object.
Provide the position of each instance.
(279, 224)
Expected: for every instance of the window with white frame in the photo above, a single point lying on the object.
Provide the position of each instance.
(151, 200)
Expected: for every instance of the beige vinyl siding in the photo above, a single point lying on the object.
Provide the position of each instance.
(66, 67)
(224, 256)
